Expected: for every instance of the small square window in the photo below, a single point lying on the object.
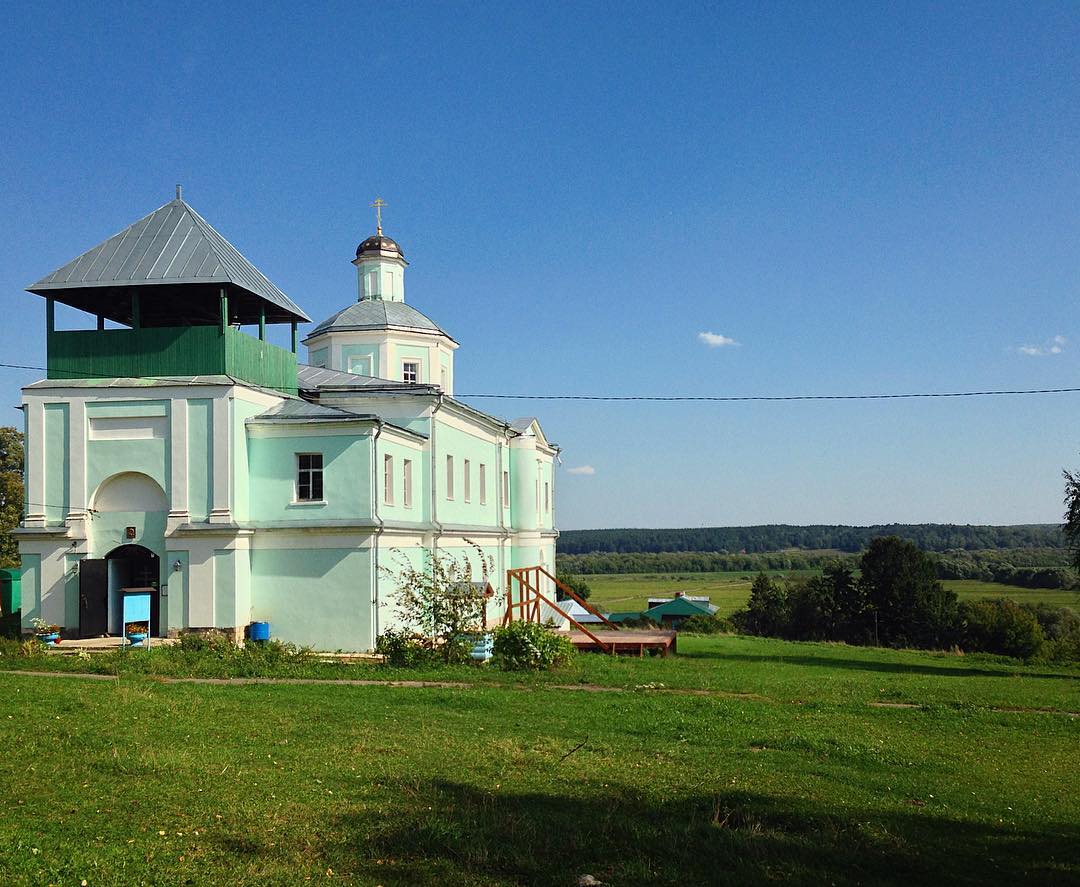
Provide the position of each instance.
(309, 477)
(410, 372)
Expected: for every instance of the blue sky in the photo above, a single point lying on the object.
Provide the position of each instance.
(864, 197)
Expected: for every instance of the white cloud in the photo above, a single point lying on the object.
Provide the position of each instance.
(582, 469)
(1054, 346)
(716, 340)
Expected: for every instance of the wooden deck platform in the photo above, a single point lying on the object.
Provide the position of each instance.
(624, 643)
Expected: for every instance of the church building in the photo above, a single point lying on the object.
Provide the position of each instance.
(173, 447)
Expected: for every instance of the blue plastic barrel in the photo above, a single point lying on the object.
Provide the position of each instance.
(259, 631)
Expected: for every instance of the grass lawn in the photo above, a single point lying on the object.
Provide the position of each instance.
(730, 591)
(782, 765)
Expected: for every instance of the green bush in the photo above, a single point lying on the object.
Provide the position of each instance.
(527, 646)
(1002, 626)
(707, 625)
(403, 649)
(1061, 626)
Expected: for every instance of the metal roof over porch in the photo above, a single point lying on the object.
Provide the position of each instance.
(177, 261)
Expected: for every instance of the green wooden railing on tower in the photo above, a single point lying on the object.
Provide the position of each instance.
(154, 352)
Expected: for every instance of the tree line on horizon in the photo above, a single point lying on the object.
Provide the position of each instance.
(814, 538)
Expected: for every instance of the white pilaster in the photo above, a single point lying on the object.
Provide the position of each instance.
(76, 516)
(221, 512)
(178, 472)
(35, 464)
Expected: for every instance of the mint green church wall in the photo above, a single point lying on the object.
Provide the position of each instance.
(547, 510)
(412, 353)
(200, 449)
(368, 356)
(523, 476)
(105, 458)
(315, 597)
(224, 588)
(421, 498)
(177, 584)
(346, 477)
(31, 588)
(241, 410)
(57, 463)
(454, 442)
(107, 531)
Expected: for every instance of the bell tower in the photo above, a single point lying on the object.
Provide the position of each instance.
(380, 265)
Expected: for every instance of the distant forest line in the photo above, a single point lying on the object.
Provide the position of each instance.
(817, 538)
(1025, 567)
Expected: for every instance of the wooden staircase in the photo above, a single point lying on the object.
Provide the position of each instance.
(524, 600)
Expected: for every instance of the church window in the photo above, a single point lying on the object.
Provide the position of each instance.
(483, 484)
(410, 371)
(388, 479)
(444, 379)
(309, 477)
(360, 365)
(406, 493)
(547, 499)
(449, 477)
(466, 480)
(506, 489)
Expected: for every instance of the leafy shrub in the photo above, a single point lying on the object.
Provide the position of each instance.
(527, 646)
(403, 649)
(639, 622)
(999, 625)
(576, 584)
(1061, 626)
(707, 625)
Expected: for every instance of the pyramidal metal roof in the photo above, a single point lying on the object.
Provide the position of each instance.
(172, 245)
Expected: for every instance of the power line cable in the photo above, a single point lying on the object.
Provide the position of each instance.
(655, 398)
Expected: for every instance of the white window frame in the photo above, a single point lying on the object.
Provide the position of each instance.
(388, 479)
(321, 470)
(406, 480)
(466, 480)
(411, 362)
(483, 484)
(450, 478)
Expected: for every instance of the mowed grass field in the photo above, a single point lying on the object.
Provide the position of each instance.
(730, 591)
(741, 760)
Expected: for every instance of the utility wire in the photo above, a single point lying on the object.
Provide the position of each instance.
(656, 398)
(774, 397)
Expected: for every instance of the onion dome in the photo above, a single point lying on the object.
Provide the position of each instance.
(379, 243)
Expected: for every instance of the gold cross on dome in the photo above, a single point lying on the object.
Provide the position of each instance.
(378, 205)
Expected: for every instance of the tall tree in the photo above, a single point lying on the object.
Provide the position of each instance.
(1072, 515)
(11, 493)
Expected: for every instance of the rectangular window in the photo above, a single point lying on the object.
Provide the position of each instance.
(361, 366)
(506, 490)
(547, 499)
(406, 492)
(466, 481)
(483, 484)
(410, 371)
(309, 477)
(444, 379)
(388, 479)
(449, 477)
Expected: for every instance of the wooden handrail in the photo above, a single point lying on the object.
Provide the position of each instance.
(531, 596)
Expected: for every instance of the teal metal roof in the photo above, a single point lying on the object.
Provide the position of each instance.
(679, 606)
(173, 246)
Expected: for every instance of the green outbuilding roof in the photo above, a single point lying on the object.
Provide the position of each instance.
(679, 606)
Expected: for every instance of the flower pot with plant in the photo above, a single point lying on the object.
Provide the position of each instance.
(136, 633)
(46, 632)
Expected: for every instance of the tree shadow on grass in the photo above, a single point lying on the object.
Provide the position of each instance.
(951, 671)
(448, 832)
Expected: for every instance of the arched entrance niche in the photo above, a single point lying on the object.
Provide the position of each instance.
(133, 566)
(127, 542)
